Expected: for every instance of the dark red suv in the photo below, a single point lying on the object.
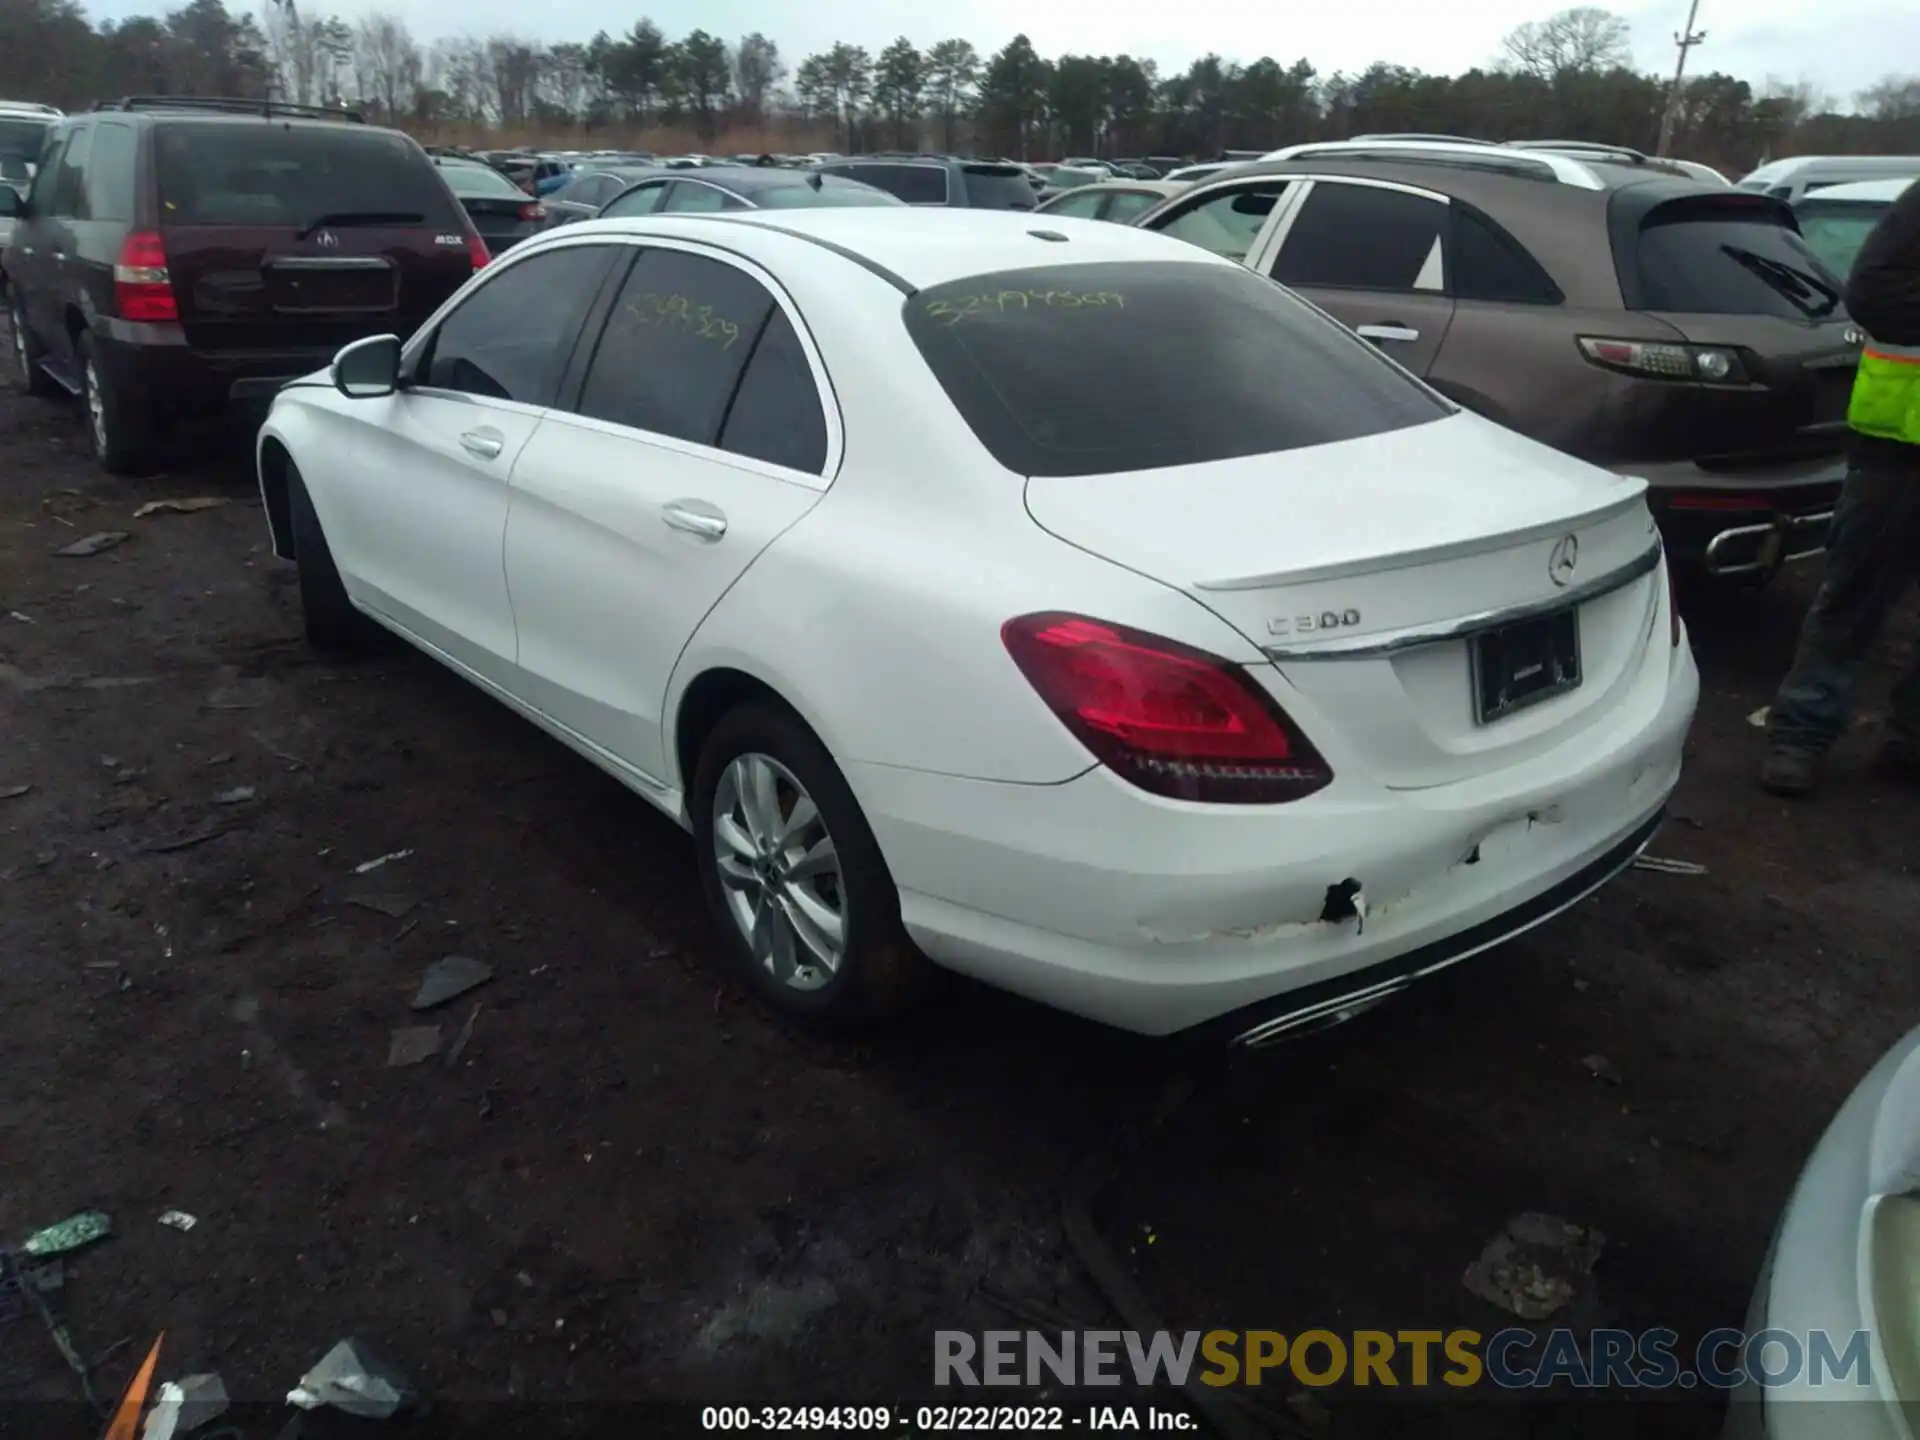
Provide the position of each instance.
(179, 259)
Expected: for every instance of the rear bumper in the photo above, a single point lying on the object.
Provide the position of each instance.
(155, 364)
(1743, 522)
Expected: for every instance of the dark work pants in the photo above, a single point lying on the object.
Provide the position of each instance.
(1873, 556)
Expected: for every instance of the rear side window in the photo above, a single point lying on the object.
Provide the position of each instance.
(70, 178)
(997, 187)
(1361, 237)
(776, 415)
(110, 173)
(642, 201)
(1083, 203)
(1095, 369)
(687, 198)
(1228, 223)
(675, 343)
(1708, 257)
(246, 174)
(1125, 207)
(511, 338)
(1486, 263)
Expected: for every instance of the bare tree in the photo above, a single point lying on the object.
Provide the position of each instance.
(1897, 97)
(1583, 39)
(756, 71)
(387, 64)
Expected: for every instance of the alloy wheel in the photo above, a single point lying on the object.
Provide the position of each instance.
(779, 872)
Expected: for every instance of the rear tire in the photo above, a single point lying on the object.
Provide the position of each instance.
(27, 355)
(332, 624)
(118, 426)
(770, 892)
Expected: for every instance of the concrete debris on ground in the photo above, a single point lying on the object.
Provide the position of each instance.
(179, 507)
(450, 977)
(1535, 1265)
(179, 1220)
(239, 795)
(351, 1379)
(186, 1405)
(412, 1044)
(93, 544)
(69, 1234)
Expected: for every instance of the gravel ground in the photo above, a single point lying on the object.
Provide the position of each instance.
(634, 1183)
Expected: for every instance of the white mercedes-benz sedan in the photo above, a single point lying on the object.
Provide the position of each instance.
(1051, 600)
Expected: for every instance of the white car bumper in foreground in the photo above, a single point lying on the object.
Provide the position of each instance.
(1158, 916)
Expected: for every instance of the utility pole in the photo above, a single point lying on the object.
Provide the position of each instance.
(1686, 40)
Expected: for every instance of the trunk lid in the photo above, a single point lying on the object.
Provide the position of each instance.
(1350, 546)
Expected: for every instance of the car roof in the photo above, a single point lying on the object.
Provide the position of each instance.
(1779, 170)
(1885, 190)
(928, 246)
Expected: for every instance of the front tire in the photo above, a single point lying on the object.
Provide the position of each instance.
(332, 624)
(117, 426)
(27, 355)
(794, 878)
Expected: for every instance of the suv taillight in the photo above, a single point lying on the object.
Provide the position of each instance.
(1169, 718)
(535, 211)
(142, 289)
(1659, 360)
(477, 252)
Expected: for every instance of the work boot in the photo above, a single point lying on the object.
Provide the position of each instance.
(1788, 772)
(1899, 759)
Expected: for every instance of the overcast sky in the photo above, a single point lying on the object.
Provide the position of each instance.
(1840, 46)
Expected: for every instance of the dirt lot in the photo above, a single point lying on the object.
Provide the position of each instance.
(634, 1184)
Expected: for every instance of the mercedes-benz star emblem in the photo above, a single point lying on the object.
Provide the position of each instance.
(1564, 556)
(1854, 335)
(327, 240)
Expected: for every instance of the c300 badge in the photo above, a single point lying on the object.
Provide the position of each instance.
(1313, 624)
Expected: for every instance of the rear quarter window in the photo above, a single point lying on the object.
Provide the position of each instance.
(1106, 368)
(1724, 255)
(244, 173)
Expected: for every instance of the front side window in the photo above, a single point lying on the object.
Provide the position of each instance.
(1084, 204)
(1228, 223)
(641, 200)
(1129, 205)
(676, 341)
(70, 178)
(1363, 237)
(1103, 368)
(510, 339)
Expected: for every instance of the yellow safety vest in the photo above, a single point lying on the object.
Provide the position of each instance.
(1886, 393)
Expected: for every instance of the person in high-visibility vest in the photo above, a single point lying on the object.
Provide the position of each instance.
(1873, 550)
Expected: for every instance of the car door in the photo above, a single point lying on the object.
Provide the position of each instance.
(414, 498)
(62, 279)
(29, 260)
(697, 434)
(1372, 254)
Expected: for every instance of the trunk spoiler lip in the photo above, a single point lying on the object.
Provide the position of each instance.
(1446, 549)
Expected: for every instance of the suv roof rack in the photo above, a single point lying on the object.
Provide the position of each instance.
(31, 107)
(266, 109)
(1416, 136)
(1583, 147)
(1551, 166)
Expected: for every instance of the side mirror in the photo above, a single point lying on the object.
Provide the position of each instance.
(12, 204)
(368, 369)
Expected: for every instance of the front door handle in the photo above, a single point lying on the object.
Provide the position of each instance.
(696, 517)
(487, 444)
(1404, 334)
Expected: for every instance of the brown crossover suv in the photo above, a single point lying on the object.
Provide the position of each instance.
(178, 259)
(1644, 322)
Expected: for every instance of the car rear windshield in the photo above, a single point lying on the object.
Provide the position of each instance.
(833, 191)
(1730, 255)
(22, 139)
(1105, 368)
(266, 174)
(997, 187)
(480, 182)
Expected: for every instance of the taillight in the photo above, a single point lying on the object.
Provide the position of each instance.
(1169, 718)
(535, 211)
(477, 252)
(1709, 364)
(142, 289)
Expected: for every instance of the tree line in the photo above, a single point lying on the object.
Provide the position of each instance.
(1565, 76)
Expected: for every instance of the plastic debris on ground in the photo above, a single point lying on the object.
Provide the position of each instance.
(351, 1379)
(239, 795)
(179, 507)
(367, 866)
(69, 1234)
(185, 1405)
(1535, 1265)
(413, 1044)
(1668, 867)
(1758, 719)
(179, 1220)
(450, 977)
(93, 544)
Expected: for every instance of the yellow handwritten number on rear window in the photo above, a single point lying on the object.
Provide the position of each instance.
(1001, 302)
(679, 312)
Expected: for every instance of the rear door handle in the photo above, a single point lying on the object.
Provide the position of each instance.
(487, 444)
(696, 517)
(1376, 333)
